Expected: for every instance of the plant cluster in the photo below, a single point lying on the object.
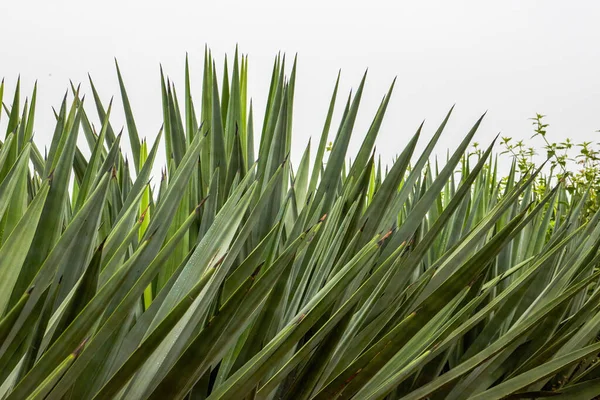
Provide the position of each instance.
(240, 276)
(576, 165)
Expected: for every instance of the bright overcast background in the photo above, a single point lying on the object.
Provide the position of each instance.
(512, 58)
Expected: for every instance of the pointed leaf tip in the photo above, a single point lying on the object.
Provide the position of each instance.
(384, 237)
(79, 348)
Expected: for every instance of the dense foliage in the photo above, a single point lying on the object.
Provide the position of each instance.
(576, 165)
(240, 276)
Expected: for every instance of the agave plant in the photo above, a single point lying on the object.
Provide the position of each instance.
(242, 276)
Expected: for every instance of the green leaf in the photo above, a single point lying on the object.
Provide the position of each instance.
(548, 369)
(14, 249)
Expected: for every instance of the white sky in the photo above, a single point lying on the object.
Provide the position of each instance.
(513, 58)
